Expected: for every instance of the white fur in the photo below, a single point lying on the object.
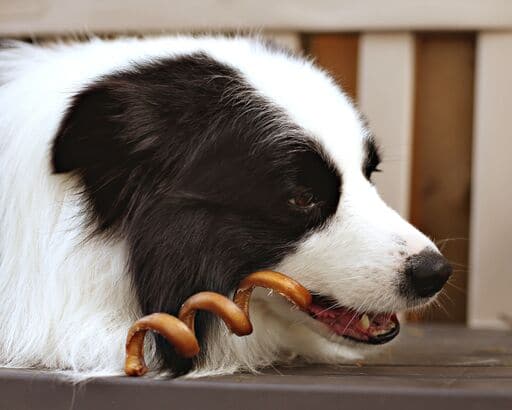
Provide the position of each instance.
(67, 304)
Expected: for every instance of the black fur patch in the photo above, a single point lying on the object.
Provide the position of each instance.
(372, 158)
(187, 162)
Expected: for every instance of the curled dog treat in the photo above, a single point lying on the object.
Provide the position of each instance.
(234, 317)
(287, 287)
(173, 329)
(180, 331)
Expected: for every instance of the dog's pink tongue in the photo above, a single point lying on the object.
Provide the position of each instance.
(347, 322)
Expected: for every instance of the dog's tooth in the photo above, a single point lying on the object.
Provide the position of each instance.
(364, 322)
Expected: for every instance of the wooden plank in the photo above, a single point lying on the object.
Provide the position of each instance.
(441, 177)
(491, 223)
(440, 367)
(386, 88)
(338, 54)
(36, 17)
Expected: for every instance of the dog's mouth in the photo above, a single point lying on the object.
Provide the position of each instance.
(369, 328)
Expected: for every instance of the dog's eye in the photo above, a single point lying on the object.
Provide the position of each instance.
(303, 200)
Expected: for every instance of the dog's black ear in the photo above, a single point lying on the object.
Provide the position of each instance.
(87, 132)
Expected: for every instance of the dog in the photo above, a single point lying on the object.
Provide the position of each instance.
(138, 172)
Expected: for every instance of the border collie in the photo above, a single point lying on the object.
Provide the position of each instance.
(137, 172)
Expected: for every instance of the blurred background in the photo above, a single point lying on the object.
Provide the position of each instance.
(433, 77)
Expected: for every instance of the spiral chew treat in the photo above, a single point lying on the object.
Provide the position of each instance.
(235, 314)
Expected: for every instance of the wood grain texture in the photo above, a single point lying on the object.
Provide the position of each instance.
(429, 367)
(491, 223)
(386, 88)
(338, 54)
(441, 176)
(36, 17)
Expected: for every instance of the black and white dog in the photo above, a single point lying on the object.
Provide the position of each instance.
(137, 172)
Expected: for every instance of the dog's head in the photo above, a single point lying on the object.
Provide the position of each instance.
(215, 164)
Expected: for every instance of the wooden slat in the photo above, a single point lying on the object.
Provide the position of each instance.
(337, 53)
(441, 176)
(27, 17)
(386, 87)
(491, 222)
(434, 367)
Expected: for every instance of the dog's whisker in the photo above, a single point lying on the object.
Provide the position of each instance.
(444, 294)
(441, 306)
(458, 265)
(451, 284)
(350, 321)
(441, 241)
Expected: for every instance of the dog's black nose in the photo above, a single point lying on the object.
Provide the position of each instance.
(427, 272)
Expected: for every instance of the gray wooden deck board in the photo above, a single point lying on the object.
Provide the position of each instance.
(429, 367)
